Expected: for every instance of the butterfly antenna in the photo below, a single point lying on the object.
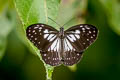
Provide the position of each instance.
(54, 21)
(68, 21)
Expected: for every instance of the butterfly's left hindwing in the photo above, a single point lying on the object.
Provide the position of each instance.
(43, 37)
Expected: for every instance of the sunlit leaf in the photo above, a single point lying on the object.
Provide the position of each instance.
(7, 21)
(38, 11)
(112, 8)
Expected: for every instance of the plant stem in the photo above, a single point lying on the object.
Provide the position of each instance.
(49, 70)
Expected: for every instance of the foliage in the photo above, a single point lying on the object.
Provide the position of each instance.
(7, 22)
(102, 13)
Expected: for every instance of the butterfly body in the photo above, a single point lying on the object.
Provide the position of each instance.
(63, 46)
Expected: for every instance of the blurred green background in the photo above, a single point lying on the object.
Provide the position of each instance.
(101, 60)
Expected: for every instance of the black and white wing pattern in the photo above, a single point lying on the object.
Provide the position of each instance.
(67, 49)
(77, 39)
(44, 37)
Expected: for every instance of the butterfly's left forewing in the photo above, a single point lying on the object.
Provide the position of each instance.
(44, 37)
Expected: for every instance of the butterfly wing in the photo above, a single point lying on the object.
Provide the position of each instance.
(52, 55)
(78, 38)
(43, 37)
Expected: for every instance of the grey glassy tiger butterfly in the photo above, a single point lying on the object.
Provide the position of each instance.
(63, 46)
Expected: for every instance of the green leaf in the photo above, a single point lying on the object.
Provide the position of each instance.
(2, 46)
(2, 4)
(70, 12)
(73, 68)
(38, 11)
(112, 8)
(7, 21)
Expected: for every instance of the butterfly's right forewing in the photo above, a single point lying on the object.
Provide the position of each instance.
(81, 36)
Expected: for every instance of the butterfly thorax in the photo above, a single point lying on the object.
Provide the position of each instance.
(61, 36)
(61, 33)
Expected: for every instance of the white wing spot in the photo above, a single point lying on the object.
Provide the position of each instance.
(87, 27)
(45, 59)
(87, 39)
(50, 36)
(70, 39)
(68, 58)
(77, 31)
(35, 38)
(33, 31)
(38, 42)
(40, 28)
(31, 36)
(91, 37)
(48, 57)
(46, 31)
(84, 43)
(89, 31)
(55, 58)
(74, 57)
(77, 36)
(78, 54)
(45, 54)
(35, 27)
(72, 36)
(46, 35)
(94, 31)
(93, 34)
(53, 46)
(42, 25)
(69, 45)
(29, 30)
(58, 45)
(83, 29)
(81, 26)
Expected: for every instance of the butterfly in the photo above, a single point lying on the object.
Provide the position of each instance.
(63, 46)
